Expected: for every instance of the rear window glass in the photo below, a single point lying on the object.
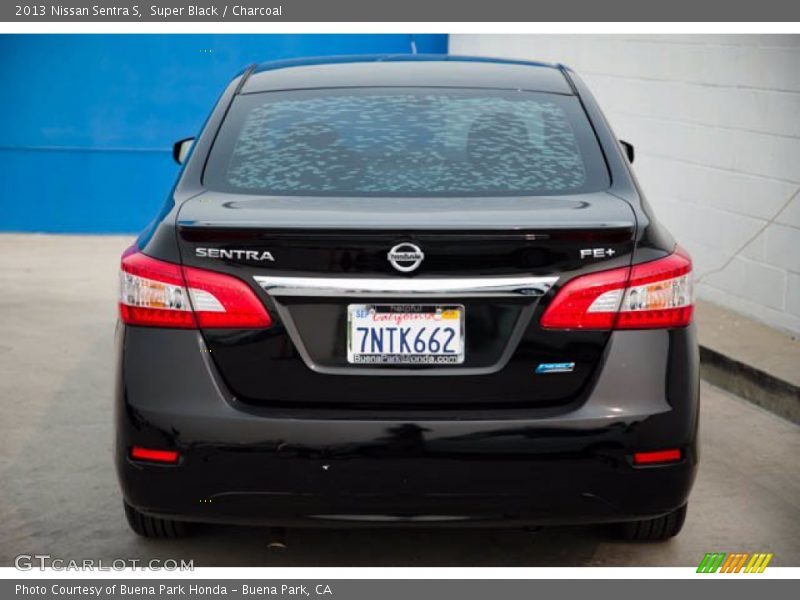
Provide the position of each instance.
(400, 142)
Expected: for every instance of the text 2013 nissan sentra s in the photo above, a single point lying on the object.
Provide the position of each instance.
(413, 290)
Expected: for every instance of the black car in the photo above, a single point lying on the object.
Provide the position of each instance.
(413, 290)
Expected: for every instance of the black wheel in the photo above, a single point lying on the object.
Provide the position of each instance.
(153, 527)
(653, 530)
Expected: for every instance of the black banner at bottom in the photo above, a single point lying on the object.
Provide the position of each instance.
(391, 589)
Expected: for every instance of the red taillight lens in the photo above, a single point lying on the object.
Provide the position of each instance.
(571, 308)
(155, 293)
(646, 296)
(658, 456)
(152, 455)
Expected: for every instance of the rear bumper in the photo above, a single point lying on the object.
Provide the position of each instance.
(260, 467)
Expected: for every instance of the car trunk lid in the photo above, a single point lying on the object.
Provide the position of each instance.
(309, 259)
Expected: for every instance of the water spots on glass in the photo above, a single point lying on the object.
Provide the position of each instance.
(406, 144)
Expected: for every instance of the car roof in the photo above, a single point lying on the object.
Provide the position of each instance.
(406, 70)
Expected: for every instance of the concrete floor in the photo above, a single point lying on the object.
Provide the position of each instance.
(58, 493)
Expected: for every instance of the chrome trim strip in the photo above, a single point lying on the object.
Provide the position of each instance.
(354, 287)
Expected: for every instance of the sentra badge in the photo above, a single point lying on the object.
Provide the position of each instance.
(257, 255)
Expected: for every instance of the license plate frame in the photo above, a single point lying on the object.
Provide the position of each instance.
(402, 316)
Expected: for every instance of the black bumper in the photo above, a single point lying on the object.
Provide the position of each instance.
(261, 466)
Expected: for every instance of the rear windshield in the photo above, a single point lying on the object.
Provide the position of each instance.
(406, 142)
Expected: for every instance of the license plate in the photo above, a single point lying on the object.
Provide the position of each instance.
(405, 334)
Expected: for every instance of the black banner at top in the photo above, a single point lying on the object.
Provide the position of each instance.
(401, 10)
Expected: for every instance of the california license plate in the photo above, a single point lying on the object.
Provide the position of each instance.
(405, 334)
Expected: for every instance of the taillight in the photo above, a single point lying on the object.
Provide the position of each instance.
(155, 293)
(659, 294)
(224, 301)
(646, 296)
(152, 293)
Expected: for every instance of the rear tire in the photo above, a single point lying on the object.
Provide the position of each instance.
(658, 529)
(153, 527)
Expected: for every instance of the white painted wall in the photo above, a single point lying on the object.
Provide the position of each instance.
(716, 125)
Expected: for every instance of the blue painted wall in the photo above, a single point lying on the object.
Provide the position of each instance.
(87, 121)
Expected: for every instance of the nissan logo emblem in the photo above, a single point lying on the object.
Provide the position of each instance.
(405, 257)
